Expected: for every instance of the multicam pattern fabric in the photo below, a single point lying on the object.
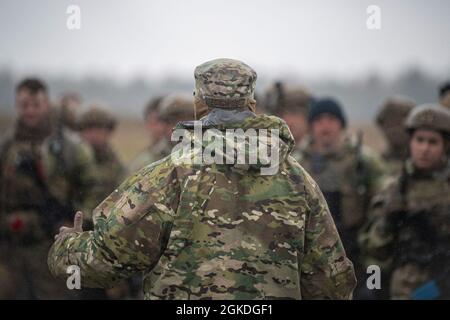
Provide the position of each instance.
(214, 231)
(414, 209)
(225, 83)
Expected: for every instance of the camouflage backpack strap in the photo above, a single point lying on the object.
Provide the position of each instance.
(362, 184)
(446, 173)
(5, 145)
(63, 146)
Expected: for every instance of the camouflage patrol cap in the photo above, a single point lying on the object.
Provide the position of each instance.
(429, 116)
(395, 107)
(225, 83)
(97, 117)
(176, 106)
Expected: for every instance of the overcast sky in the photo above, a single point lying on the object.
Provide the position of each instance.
(153, 38)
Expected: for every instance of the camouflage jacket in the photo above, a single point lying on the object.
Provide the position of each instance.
(32, 171)
(109, 171)
(393, 162)
(408, 232)
(220, 231)
(348, 178)
(153, 153)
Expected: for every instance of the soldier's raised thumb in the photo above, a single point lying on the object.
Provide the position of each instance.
(78, 221)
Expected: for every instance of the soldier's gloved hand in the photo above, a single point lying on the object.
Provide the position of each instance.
(77, 226)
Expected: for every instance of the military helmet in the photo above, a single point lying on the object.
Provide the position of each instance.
(395, 107)
(225, 83)
(176, 106)
(429, 116)
(97, 117)
(152, 106)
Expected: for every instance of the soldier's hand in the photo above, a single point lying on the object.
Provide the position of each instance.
(77, 226)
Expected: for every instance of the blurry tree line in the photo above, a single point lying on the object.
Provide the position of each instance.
(360, 96)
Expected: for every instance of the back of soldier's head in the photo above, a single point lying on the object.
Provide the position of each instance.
(394, 110)
(97, 117)
(152, 107)
(176, 107)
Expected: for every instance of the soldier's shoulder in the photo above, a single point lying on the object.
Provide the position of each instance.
(142, 159)
(301, 176)
(370, 153)
(388, 190)
(163, 173)
(71, 137)
(76, 148)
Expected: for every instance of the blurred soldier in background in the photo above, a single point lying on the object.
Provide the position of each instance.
(156, 130)
(292, 105)
(175, 108)
(348, 173)
(222, 231)
(165, 114)
(390, 119)
(46, 173)
(70, 106)
(444, 95)
(96, 128)
(408, 234)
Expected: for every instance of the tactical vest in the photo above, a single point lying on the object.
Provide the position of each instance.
(26, 169)
(422, 223)
(344, 181)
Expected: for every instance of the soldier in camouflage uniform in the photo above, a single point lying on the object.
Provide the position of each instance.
(220, 231)
(96, 127)
(348, 173)
(408, 234)
(392, 113)
(46, 173)
(170, 110)
(156, 129)
(444, 95)
(291, 103)
(70, 106)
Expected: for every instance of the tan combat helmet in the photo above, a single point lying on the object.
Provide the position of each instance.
(281, 98)
(176, 107)
(97, 117)
(395, 108)
(429, 116)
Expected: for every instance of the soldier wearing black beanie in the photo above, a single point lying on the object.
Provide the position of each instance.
(329, 106)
